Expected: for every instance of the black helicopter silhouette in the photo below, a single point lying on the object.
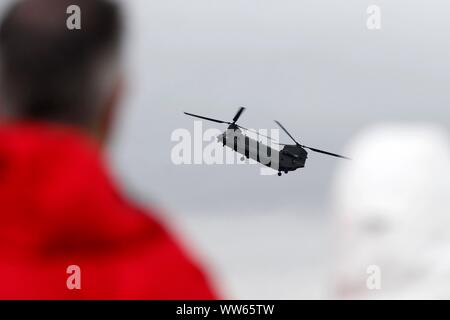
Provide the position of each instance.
(290, 158)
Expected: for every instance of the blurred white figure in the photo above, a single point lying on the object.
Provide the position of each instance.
(393, 211)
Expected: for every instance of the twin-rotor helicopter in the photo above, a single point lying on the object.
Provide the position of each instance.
(290, 158)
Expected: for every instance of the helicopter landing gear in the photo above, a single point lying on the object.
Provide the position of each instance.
(286, 172)
(242, 158)
(279, 173)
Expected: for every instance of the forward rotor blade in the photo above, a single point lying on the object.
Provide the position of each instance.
(326, 152)
(205, 118)
(238, 114)
(287, 132)
(281, 144)
(254, 131)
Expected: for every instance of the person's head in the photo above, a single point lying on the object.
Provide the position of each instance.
(49, 72)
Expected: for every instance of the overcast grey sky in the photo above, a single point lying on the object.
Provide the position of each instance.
(316, 67)
(313, 65)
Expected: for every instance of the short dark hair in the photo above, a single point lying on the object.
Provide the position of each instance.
(48, 71)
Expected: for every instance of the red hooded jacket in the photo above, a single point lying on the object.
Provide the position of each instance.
(59, 208)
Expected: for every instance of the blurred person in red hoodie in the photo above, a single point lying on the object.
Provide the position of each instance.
(66, 232)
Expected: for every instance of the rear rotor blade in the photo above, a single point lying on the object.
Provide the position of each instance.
(238, 114)
(326, 152)
(287, 132)
(205, 118)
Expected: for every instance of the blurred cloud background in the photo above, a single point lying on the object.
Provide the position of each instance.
(314, 66)
(335, 85)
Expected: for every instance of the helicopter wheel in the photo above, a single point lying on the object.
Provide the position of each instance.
(286, 172)
(279, 174)
(242, 158)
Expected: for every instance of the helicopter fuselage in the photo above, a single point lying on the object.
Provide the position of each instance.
(289, 158)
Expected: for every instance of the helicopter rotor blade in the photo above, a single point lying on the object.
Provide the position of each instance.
(206, 118)
(281, 144)
(238, 114)
(326, 152)
(287, 132)
(255, 132)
